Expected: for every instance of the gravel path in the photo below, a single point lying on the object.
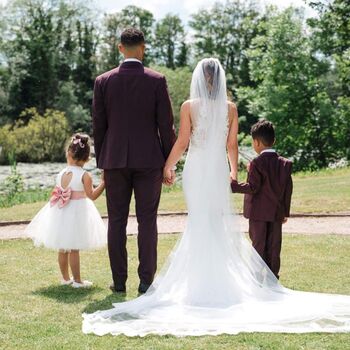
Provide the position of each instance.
(176, 223)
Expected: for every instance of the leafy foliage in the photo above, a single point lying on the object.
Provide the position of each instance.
(12, 185)
(47, 44)
(35, 137)
(179, 81)
(170, 48)
(114, 24)
(226, 31)
(279, 66)
(291, 93)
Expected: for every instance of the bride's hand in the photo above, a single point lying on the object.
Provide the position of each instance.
(168, 176)
(233, 175)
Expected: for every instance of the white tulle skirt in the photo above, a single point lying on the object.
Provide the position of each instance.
(77, 226)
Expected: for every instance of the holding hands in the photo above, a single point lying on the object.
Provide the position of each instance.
(233, 175)
(248, 167)
(169, 176)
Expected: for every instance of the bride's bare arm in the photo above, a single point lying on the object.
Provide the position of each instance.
(232, 140)
(182, 141)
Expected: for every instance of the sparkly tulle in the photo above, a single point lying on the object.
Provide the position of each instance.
(214, 282)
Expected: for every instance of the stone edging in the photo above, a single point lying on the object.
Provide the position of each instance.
(180, 213)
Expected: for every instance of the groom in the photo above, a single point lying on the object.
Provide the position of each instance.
(133, 132)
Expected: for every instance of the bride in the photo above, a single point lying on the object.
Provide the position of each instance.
(214, 282)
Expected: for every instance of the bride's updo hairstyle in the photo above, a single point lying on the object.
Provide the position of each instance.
(79, 147)
(212, 76)
(208, 80)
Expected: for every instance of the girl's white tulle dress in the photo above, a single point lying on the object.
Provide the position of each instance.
(75, 226)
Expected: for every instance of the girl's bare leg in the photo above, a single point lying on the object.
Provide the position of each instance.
(63, 263)
(74, 262)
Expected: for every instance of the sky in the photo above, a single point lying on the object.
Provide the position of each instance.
(181, 7)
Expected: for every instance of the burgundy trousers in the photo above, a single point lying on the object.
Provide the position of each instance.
(147, 185)
(267, 241)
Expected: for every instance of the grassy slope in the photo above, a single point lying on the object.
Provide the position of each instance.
(321, 192)
(37, 313)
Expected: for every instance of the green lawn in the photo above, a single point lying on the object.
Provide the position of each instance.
(37, 313)
(319, 192)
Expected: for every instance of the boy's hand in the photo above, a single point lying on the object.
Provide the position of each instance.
(248, 166)
(102, 176)
(284, 220)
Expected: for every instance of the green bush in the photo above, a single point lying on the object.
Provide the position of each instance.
(12, 185)
(78, 118)
(35, 138)
(179, 82)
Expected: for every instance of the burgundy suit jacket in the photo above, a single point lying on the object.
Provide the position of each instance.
(133, 125)
(268, 190)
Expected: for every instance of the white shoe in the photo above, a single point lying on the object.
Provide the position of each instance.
(66, 282)
(84, 284)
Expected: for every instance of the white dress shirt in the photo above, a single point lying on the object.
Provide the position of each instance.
(268, 150)
(132, 60)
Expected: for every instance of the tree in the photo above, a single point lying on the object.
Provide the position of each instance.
(179, 82)
(183, 55)
(47, 45)
(32, 61)
(111, 29)
(170, 48)
(331, 43)
(226, 31)
(114, 24)
(85, 70)
(290, 93)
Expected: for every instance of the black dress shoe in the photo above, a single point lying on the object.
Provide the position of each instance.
(143, 287)
(117, 288)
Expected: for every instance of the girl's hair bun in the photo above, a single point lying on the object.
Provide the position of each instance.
(79, 147)
(84, 138)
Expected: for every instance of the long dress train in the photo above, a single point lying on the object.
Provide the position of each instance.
(214, 282)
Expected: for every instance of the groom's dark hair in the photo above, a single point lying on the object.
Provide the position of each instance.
(132, 37)
(264, 131)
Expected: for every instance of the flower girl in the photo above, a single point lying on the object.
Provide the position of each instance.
(70, 221)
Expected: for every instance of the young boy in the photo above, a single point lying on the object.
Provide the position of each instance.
(268, 193)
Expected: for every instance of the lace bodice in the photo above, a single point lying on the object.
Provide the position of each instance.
(203, 124)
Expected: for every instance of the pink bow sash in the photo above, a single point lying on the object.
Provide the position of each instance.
(61, 196)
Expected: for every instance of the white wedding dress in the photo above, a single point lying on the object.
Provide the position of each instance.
(214, 282)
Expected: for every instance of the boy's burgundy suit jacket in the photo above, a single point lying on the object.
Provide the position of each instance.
(268, 190)
(133, 125)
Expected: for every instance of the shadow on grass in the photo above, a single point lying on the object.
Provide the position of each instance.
(66, 294)
(105, 303)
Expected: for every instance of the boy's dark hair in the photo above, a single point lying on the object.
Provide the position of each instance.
(132, 37)
(79, 147)
(264, 131)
